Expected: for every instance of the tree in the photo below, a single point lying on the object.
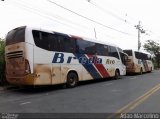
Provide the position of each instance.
(2, 61)
(153, 48)
(2, 45)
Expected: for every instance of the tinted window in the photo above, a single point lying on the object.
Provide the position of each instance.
(106, 52)
(54, 41)
(138, 55)
(43, 40)
(123, 57)
(113, 52)
(16, 35)
(67, 44)
(142, 56)
(101, 49)
(145, 57)
(120, 50)
(129, 52)
(86, 47)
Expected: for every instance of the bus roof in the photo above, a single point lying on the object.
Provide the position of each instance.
(145, 52)
(71, 35)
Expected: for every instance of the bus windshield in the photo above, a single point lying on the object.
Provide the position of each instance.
(16, 35)
(129, 52)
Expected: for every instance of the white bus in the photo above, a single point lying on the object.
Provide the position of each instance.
(138, 62)
(35, 56)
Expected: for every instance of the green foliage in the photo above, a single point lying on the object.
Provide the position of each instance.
(2, 47)
(2, 60)
(153, 48)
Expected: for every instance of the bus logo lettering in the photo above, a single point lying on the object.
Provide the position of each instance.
(82, 60)
(58, 58)
(95, 60)
(108, 61)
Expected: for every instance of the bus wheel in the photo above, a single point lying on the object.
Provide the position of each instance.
(141, 71)
(116, 75)
(151, 69)
(72, 80)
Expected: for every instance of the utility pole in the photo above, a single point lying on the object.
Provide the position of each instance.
(139, 42)
(140, 30)
(95, 33)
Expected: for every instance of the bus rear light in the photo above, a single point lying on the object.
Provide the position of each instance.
(27, 67)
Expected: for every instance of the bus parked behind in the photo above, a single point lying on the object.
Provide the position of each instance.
(138, 62)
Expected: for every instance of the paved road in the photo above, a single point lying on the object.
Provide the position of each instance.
(136, 93)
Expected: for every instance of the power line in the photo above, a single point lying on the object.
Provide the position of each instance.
(112, 13)
(44, 15)
(109, 12)
(36, 11)
(90, 19)
(59, 17)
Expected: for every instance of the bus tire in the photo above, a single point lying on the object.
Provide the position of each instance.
(117, 75)
(150, 70)
(72, 80)
(141, 71)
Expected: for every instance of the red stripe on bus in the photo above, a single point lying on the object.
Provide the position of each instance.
(100, 68)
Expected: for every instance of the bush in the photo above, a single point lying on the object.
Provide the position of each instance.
(2, 62)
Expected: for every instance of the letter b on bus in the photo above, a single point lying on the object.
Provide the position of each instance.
(58, 58)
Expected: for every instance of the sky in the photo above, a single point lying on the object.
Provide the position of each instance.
(110, 21)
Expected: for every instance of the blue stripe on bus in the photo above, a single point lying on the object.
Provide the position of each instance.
(89, 67)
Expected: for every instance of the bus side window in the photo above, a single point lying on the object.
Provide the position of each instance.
(37, 38)
(67, 44)
(42, 39)
(80, 46)
(106, 50)
(90, 48)
(113, 52)
(86, 47)
(124, 58)
(45, 40)
(101, 50)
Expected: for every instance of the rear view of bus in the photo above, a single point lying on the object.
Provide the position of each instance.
(130, 65)
(17, 60)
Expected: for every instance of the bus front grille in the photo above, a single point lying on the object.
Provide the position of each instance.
(16, 54)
